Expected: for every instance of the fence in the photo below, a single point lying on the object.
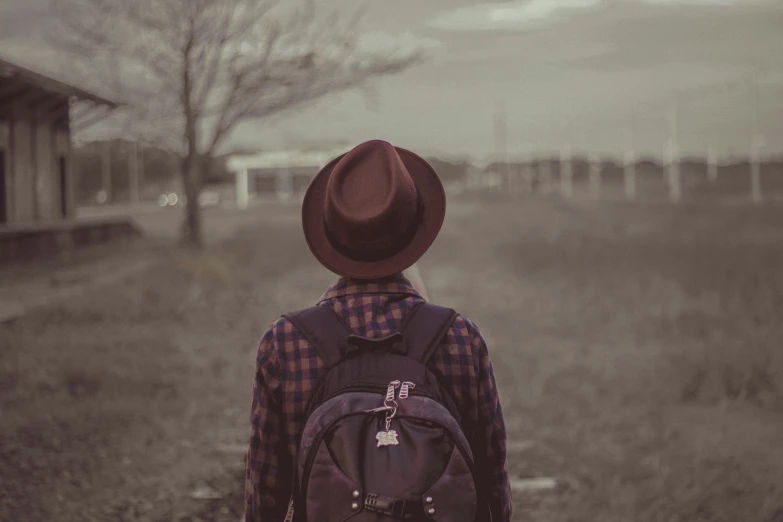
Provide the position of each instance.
(592, 177)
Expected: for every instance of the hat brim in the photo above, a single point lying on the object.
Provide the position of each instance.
(433, 197)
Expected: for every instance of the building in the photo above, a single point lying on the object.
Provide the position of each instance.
(36, 178)
(283, 175)
(37, 115)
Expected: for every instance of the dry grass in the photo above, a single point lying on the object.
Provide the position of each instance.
(115, 406)
(635, 349)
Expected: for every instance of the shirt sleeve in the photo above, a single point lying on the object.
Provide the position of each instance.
(490, 443)
(263, 488)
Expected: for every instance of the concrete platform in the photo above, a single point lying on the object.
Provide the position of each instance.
(29, 241)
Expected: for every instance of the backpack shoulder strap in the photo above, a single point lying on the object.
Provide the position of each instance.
(325, 330)
(424, 329)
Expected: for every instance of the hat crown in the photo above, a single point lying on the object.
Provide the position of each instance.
(373, 211)
(371, 201)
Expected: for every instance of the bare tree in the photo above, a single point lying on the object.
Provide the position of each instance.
(191, 71)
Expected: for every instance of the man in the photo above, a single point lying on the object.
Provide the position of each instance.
(368, 216)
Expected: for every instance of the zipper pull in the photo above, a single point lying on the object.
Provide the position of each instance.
(404, 389)
(390, 391)
(289, 516)
(378, 410)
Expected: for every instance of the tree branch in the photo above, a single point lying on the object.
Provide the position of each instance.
(245, 59)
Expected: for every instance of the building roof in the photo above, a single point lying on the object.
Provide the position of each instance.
(283, 159)
(10, 69)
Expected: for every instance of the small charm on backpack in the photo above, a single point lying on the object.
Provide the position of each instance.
(387, 438)
(390, 391)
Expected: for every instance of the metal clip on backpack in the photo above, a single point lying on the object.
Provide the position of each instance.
(382, 440)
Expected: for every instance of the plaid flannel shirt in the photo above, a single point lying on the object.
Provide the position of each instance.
(288, 368)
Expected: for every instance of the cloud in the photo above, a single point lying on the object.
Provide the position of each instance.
(509, 15)
(403, 42)
(690, 2)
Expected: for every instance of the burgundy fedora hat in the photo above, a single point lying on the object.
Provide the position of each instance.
(373, 211)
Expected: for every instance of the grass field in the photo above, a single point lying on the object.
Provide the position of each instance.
(636, 350)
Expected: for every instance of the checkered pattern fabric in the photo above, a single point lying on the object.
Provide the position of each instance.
(288, 368)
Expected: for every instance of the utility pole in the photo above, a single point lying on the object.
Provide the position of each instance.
(566, 172)
(675, 184)
(756, 144)
(501, 130)
(629, 166)
(595, 174)
(712, 164)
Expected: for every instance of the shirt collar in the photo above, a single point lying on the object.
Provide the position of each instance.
(396, 284)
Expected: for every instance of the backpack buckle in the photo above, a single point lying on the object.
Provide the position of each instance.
(385, 506)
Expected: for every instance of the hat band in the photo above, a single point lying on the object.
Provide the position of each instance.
(380, 248)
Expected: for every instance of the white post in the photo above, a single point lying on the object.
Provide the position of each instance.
(566, 172)
(106, 169)
(757, 144)
(546, 172)
(712, 165)
(511, 186)
(629, 174)
(755, 168)
(629, 167)
(515, 177)
(526, 174)
(242, 188)
(501, 147)
(535, 173)
(133, 172)
(283, 184)
(595, 175)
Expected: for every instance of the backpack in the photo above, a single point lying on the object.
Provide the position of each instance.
(382, 440)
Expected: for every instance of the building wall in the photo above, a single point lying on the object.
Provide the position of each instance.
(301, 181)
(265, 185)
(22, 169)
(33, 150)
(282, 182)
(45, 183)
(5, 146)
(63, 148)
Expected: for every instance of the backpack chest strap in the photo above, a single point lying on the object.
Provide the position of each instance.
(393, 507)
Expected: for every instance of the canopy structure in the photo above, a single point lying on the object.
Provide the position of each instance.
(20, 85)
(38, 114)
(283, 174)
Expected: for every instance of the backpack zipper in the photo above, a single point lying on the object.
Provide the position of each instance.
(373, 388)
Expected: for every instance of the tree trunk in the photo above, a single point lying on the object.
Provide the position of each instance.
(193, 235)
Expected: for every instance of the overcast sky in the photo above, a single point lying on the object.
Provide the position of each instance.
(592, 74)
